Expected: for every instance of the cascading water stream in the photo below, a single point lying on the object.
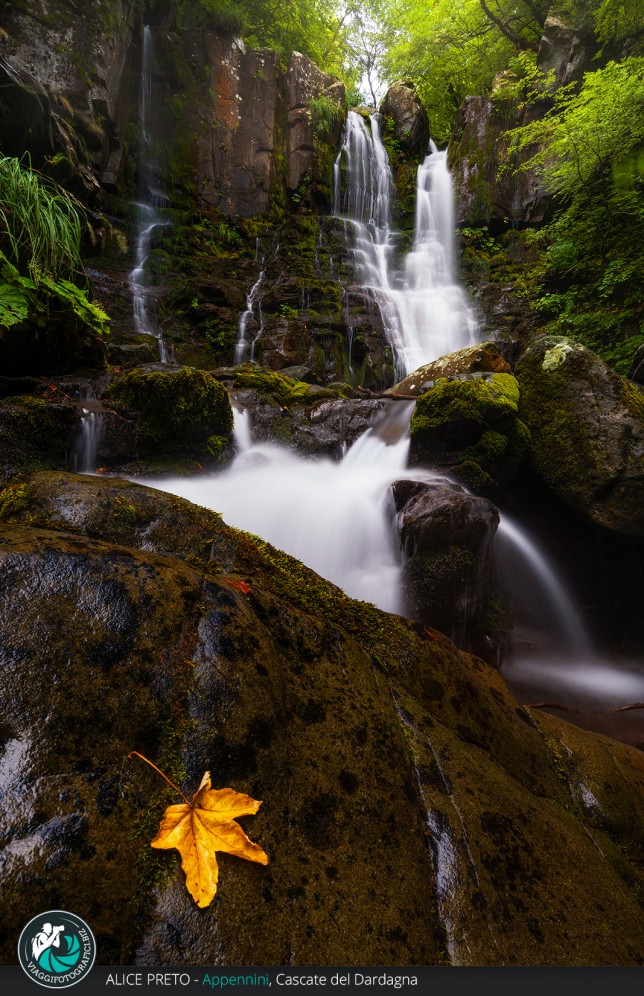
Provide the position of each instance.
(88, 438)
(333, 516)
(550, 655)
(425, 313)
(544, 611)
(147, 207)
(330, 515)
(242, 344)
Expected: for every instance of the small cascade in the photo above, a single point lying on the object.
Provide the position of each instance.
(424, 312)
(545, 618)
(87, 439)
(332, 516)
(241, 430)
(151, 199)
(551, 657)
(254, 295)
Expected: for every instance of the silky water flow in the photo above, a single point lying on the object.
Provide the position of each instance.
(334, 516)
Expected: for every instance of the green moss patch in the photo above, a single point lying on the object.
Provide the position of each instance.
(187, 407)
(277, 387)
(470, 428)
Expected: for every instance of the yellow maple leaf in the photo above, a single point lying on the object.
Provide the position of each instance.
(200, 828)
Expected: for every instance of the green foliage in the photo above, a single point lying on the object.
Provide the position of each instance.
(521, 84)
(453, 50)
(618, 19)
(40, 236)
(40, 226)
(314, 27)
(326, 113)
(588, 133)
(590, 155)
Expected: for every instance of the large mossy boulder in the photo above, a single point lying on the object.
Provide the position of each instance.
(36, 433)
(402, 104)
(468, 427)
(587, 428)
(412, 811)
(166, 416)
(484, 357)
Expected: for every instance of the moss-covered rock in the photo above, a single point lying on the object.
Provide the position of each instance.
(409, 117)
(469, 428)
(35, 433)
(283, 390)
(172, 413)
(370, 740)
(587, 428)
(484, 357)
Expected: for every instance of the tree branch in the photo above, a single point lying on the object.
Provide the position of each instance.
(503, 27)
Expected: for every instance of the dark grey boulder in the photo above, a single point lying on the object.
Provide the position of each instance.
(587, 432)
(446, 536)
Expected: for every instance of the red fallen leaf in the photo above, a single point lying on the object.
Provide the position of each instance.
(242, 586)
(52, 387)
(101, 470)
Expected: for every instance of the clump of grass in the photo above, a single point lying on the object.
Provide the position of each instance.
(40, 243)
(40, 224)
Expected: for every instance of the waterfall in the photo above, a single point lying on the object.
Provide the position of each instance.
(87, 439)
(241, 431)
(424, 312)
(147, 207)
(242, 344)
(544, 612)
(333, 516)
(551, 656)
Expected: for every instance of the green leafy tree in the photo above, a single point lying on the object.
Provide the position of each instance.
(453, 50)
(314, 27)
(590, 154)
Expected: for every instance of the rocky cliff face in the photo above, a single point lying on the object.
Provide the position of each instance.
(63, 70)
(232, 123)
(488, 192)
(252, 125)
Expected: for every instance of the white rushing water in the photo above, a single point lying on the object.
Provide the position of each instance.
(550, 655)
(425, 313)
(87, 440)
(253, 297)
(331, 515)
(147, 207)
(544, 610)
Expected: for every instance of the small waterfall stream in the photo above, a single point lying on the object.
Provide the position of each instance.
(87, 439)
(241, 346)
(424, 312)
(151, 199)
(550, 657)
(544, 611)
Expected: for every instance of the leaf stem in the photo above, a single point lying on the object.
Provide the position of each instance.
(135, 753)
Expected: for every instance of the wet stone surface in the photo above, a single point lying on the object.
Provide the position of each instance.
(413, 814)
